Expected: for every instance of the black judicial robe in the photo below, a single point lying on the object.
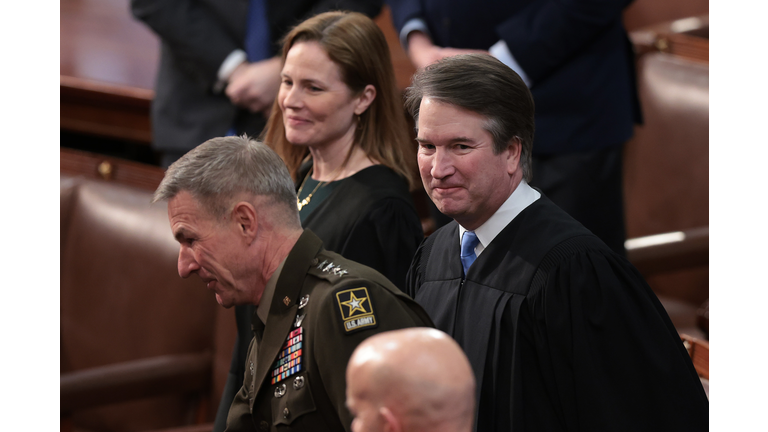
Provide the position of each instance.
(562, 333)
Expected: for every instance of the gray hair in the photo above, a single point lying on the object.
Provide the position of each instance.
(482, 84)
(219, 170)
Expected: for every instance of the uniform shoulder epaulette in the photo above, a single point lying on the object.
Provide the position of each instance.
(353, 302)
(327, 269)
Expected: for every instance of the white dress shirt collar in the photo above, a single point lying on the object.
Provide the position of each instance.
(522, 197)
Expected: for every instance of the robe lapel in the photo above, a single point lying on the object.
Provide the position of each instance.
(448, 251)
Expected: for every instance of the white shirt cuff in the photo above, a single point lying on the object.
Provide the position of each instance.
(228, 66)
(501, 51)
(414, 24)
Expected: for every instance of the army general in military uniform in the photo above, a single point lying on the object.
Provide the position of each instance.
(232, 208)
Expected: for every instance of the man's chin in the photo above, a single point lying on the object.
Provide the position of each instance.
(221, 302)
(447, 207)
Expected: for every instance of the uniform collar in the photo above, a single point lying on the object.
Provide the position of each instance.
(269, 291)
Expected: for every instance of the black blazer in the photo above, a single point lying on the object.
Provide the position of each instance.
(196, 37)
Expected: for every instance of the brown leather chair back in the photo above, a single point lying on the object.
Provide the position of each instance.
(666, 171)
(666, 164)
(121, 296)
(642, 13)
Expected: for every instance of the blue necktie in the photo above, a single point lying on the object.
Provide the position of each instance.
(468, 242)
(257, 32)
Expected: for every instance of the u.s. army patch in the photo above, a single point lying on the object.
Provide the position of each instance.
(356, 309)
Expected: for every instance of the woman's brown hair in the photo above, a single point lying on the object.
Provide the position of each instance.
(357, 45)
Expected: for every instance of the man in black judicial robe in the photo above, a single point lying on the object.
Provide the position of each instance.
(562, 333)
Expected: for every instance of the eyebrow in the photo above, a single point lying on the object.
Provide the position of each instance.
(303, 81)
(455, 140)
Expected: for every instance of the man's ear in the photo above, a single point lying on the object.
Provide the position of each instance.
(391, 424)
(365, 99)
(246, 218)
(514, 155)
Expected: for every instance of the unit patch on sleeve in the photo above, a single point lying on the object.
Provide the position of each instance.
(356, 309)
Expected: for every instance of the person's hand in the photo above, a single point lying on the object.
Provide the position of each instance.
(423, 52)
(254, 85)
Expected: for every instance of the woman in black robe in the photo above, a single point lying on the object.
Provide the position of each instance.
(338, 124)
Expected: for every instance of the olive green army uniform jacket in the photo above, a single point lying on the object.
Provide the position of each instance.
(322, 307)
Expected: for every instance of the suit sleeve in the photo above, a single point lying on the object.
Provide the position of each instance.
(612, 355)
(547, 33)
(404, 10)
(198, 41)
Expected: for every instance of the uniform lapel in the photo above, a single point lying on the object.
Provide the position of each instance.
(285, 303)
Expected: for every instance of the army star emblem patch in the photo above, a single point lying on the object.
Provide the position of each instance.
(356, 309)
(354, 303)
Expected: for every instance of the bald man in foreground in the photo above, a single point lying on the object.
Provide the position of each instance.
(415, 379)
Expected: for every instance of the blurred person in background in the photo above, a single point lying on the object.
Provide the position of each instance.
(219, 71)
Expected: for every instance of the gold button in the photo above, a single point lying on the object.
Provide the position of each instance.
(286, 413)
(105, 170)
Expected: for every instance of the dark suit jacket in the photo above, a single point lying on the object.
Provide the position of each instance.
(196, 37)
(575, 52)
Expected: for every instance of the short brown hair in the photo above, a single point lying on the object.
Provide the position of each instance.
(357, 45)
(482, 84)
